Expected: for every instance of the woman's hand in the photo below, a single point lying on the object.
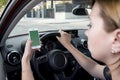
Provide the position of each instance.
(28, 50)
(64, 39)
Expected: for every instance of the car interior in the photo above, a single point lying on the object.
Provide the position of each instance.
(54, 61)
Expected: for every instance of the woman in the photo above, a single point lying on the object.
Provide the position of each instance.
(103, 43)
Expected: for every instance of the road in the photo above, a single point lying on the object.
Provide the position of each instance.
(49, 24)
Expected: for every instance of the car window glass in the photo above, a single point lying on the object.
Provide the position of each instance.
(48, 16)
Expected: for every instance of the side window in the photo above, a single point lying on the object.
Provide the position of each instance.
(3, 4)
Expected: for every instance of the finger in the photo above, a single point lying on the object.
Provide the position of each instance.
(60, 30)
(37, 49)
(57, 37)
(29, 42)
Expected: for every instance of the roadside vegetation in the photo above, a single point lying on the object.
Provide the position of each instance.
(2, 5)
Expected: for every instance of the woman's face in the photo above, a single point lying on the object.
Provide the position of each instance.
(99, 41)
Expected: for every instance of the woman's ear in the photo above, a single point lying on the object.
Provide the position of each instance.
(116, 42)
(117, 35)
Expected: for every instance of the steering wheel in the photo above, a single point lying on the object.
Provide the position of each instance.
(56, 62)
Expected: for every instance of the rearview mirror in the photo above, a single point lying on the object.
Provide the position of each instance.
(79, 11)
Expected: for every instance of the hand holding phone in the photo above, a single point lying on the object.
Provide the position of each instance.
(34, 36)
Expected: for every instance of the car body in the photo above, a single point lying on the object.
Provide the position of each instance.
(54, 62)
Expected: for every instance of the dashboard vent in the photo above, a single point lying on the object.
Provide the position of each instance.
(14, 57)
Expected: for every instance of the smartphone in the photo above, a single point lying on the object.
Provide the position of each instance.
(34, 36)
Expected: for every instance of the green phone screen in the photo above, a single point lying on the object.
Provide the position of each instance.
(35, 38)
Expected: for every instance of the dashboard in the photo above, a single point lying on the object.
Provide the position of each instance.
(14, 48)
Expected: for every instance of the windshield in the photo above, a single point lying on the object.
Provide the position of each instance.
(49, 15)
(3, 4)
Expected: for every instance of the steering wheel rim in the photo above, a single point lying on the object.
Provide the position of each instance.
(59, 71)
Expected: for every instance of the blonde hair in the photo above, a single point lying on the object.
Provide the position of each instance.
(110, 12)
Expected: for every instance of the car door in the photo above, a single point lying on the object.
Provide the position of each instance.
(8, 19)
(2, 73)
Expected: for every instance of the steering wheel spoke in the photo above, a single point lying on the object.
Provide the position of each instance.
(42, 59)
(61, 76)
